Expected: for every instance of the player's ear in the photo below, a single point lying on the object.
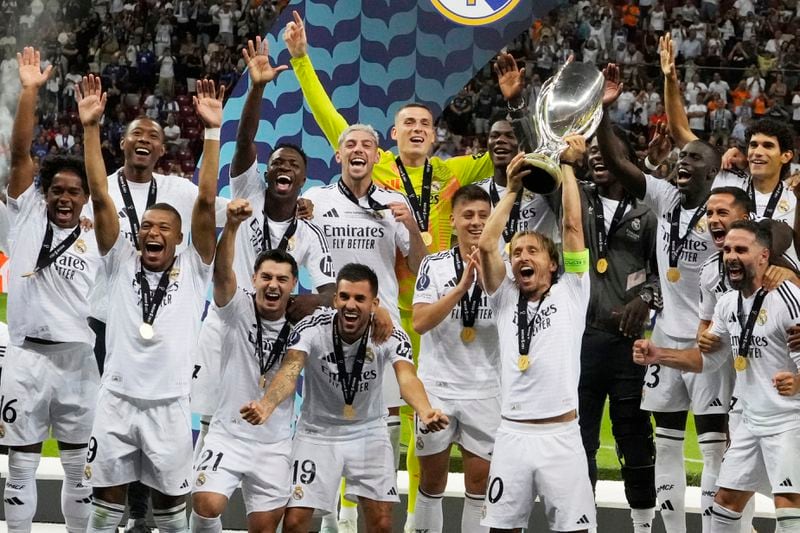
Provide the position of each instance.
(376, 302)
(394, 133)
(338, 156)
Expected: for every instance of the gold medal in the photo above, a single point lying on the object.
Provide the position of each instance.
(468, 334)
(673, 274)
(507, 249)
(602, 265)
(427, 238)
(523, 362)
(349, 411)
(262, 381)
(740, 363)
(80, 246)
(146, 331)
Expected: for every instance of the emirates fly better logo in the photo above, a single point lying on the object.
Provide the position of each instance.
(474, 12)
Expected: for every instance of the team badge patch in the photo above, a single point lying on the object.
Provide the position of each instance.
(702, 225)
(762, 317)
(297, 493)
(420, 443)
(636, 224)
(290, 245)
(174, 273)
(87, 472)
(474, 12)
(783, 206)
(369, 355)
(201, 479)
(80, 246)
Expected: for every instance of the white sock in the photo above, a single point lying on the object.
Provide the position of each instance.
(205, 423)
(172, 520)
(76, 498)
(348, 513)
(105, 517)
(428, 513)
(393, 424)
(748, 514)
(723, 520)
(471, 515)
(788, 519)
(671, 478)
(643, 519)
(330, 521)
(20, 495)
(712, 446)
(202, 524)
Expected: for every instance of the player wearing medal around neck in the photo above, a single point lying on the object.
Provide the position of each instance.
(540, 319)
(770, 145)
(50, 377)
(142, 428)
(342, 430)
(256, 334)
(684, 245)
(276, 223)
(752, 326)
(459, 367)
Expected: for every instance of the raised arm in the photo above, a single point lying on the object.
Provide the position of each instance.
(91, 104)
(280, 388)
(208, 104)
(615, 155)
(31, 77)
(647, 353)
(261, 73)
(330, 121)
(239, 210)
(413, 392)
(572, 225)
(511, 80)
(677, 120)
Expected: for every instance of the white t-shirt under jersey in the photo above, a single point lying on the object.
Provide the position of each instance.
(54, 303)
(678, 319)
(241, 372)
(534, 212)
(308, 247)
(763, 410)
(161, 367)
(357, 234)
(323, 400)
(549, 387)
(449, 367)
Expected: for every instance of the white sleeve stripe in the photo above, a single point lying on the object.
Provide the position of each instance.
(314, 321)
(790, 300)
(791, 261)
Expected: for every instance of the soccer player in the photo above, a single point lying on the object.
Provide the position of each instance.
(540, 319)
(50, 378)
(142, 429)
(459, 368)
(753, 325)
(274, 224)
(429, 182)
(256, 337)
(685, 244)
(342, 430)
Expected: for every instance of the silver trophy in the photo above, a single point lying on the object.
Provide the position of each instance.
(570, 103)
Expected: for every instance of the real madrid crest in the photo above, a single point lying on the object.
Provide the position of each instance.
(80, 246)
(2, 430)
(87, 472)
(174, 273)
(369, 355)
(636, 224)
(297, 493)
(420, 443)
(201, 479)
(291, 244)
(701, 225)
(783, 205)
(762, 317)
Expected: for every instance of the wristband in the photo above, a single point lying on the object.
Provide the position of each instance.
(650, 165)
(212, 134)
(520, 107)
(576, 262)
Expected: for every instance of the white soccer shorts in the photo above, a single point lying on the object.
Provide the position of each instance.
(46, 386)
(473, 424)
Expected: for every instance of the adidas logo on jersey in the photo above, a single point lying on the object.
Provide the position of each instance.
(715, 403)
(392, 492)
(667, 506)
(707, 512)
(583, 520)
(185, 484)
(786, 483)
(14, 501)
(331, 214)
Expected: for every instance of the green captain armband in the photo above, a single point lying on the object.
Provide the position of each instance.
(576, 262)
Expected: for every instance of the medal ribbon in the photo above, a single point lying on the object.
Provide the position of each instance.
(130, 208)
(47, 254)
(278, 347)
(746, 336)
(469, 303)
(373, 204)
(721, 267)
(773, 199)
(266, 238)
(150, 305)
(603, 240)
(512, 226)
(676, 242)
(421, 209)
(524, 330)
(349, 381)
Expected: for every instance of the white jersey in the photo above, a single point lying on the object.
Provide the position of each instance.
(241, 372)
(357, 234)
(784, 209)
(535, 214)
(176, 191)
(449, 367)
(4, 228)
(712, 285)
(161, 367)
(53, 304)
(308, 245)
(764, 411)
(678, 319)
(549, 387)
(323, 399)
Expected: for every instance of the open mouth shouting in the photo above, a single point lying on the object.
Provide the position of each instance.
(358, 163)
(736, 272)
(684, 176)
(718, 234)
(526, 272)
(272, 296)
(63, 214)
(283, 183)
(152, 251)
(417, 140)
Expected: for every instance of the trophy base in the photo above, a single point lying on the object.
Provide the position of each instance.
(545, 174)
